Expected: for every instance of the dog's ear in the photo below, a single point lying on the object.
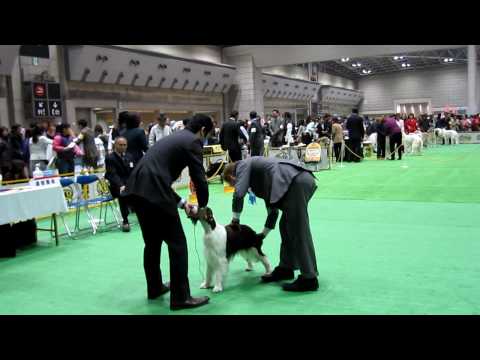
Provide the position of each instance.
(208, 212)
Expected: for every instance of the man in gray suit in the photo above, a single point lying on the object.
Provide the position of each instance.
(276, 128)
(289, 187)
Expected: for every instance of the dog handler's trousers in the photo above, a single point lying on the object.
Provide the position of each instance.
(297, 250)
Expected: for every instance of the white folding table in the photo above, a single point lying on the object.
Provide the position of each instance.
(28, 202)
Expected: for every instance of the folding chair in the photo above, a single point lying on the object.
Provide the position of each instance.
(107, 202)
(82, 183)
(70, 196)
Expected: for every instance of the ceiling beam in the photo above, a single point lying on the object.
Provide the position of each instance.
(272, 55)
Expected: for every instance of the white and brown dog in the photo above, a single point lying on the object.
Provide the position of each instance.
(222, 243)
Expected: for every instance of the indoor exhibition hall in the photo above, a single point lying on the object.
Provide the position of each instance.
(239, 179)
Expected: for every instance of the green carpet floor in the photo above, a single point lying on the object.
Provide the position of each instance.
(392, 237)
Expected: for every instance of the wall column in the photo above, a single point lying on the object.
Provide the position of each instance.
(247, 94)
(472, 80)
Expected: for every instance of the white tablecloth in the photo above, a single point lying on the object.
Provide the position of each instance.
(31, 202)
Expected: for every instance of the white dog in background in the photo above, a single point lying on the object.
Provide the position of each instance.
(450, 136)
(413, 143)
(222, 243)
(372, 138)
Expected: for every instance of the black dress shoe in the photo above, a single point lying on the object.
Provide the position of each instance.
(163, 290)
(278, 274)
(190, 303)
(302, 284)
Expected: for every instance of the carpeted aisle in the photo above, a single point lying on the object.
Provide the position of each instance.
(392, 237)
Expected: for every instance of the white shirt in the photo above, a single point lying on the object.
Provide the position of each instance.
(156, 133)
(311, 128)
(244, 132)
(289, 136)
(101, 151)
(40, 150)
(401, 124)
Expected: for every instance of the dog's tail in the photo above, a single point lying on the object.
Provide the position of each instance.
(258, 243)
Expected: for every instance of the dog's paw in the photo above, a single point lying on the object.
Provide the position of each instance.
(217, 289)
(204, 285)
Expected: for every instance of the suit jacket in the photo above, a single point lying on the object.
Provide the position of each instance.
(229, 135)
(154, 175)
(117, 171)
(256, 138)
(137, 143)
(268, 178)
(355, 127)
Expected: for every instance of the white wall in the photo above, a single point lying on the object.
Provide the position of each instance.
(444, 86)
(298, 72)
(208, 53)
(338, 81)
(292, 71)
(4, 112)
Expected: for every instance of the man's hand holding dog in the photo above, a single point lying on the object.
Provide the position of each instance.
(192, 211)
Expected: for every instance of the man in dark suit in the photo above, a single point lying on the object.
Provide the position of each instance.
(149, 190)
(356, 132)
(119, 165)
(135, 135)
(256, 135)
(229, 135)
(289, 187)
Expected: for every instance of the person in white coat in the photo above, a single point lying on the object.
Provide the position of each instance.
(40, 149)
(159, 130)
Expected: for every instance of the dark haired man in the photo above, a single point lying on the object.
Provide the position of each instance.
(159, 130)
(229, 137)
(356, 132)
(289, 187)
(135, 135)
(149, 191)
(87, 138)
(256, 135)
(276, 128)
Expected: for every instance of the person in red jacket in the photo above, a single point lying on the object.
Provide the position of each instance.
(411, 124)
(476, 123)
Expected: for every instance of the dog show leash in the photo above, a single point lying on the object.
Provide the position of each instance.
(200, 269)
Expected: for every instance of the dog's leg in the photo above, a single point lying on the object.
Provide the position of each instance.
(266, 264)
(207, 284)
(264, 260)
(249, 265)
(220, 275)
